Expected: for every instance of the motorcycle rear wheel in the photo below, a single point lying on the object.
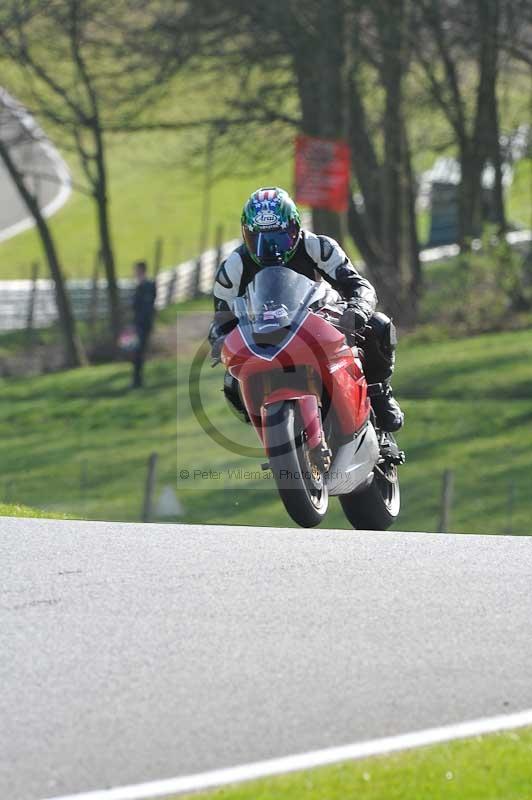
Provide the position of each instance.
(299, 481)
(377, 507)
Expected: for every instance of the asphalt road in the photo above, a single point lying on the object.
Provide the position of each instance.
(131, 652)
(33, 155)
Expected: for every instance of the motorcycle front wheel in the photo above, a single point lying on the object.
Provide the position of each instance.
(300, 482)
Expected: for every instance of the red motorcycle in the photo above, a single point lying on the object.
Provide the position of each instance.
(302, 384)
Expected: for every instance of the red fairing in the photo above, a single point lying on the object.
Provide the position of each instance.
(308, 408)
(320, 358)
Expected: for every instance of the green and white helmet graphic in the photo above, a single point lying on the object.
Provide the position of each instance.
(271, 226)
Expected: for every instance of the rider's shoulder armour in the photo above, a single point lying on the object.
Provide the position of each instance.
(304, 261)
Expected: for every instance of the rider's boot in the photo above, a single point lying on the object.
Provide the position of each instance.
(387, 410)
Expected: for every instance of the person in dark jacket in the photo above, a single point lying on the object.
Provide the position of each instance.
(273, 236)
(143, 316)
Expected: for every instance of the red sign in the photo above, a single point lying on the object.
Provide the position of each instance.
(322, 173)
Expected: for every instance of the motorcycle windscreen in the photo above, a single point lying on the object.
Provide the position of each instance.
(275, 298)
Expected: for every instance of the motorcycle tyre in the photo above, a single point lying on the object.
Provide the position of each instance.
(369, 509)
(283, 432)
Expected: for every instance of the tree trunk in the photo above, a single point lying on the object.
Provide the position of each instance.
(496, 158)
(491, 17)
(483, 144)
(320, 72)
(397, 273)
(470, 208)
(328, 223)
(74, 354)
(106, 246)
(365, 162)
(413, 280)
(391, 233)
(377, 268)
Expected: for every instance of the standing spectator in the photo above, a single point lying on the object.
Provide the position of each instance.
(143, 315)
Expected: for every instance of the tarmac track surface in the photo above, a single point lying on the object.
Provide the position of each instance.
(34, 155)
(131, 653)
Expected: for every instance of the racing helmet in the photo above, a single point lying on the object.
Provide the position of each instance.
(271, 226)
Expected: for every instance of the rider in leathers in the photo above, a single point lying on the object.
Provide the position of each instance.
(273, 236)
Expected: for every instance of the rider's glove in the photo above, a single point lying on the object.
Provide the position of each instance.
(354, 319)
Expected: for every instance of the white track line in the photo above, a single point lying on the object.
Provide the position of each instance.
(50, 208)
(60, 167)
(303, 761)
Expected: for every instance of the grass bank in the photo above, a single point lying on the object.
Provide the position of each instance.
(78, 442)
(153, 194)
(497, 767)
(13, 510)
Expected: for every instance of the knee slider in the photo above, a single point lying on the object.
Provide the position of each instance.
(232, 395)
(231, 387)
(379, 349)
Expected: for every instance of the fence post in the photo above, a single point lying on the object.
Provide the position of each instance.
(33, 295)
(148, 488)
(157, 257)
(170, 288)
(196, 278)
(8, 492)
(511, 504)
(83, 480)
(446, 501)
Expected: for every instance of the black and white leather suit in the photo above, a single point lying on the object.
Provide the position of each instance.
(315, 257)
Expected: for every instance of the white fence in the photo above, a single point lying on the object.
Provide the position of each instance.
(183, 282)
(22, 300)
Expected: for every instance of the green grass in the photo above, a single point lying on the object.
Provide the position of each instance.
(200, 304)
(156, 185)
(520, 195)
(467, 404)
(13, 510)
(497, 767)
(78, 442)
(152, 195)
(475, 292)
(20, 342)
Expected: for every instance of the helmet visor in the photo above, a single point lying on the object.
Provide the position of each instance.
(271, 247)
